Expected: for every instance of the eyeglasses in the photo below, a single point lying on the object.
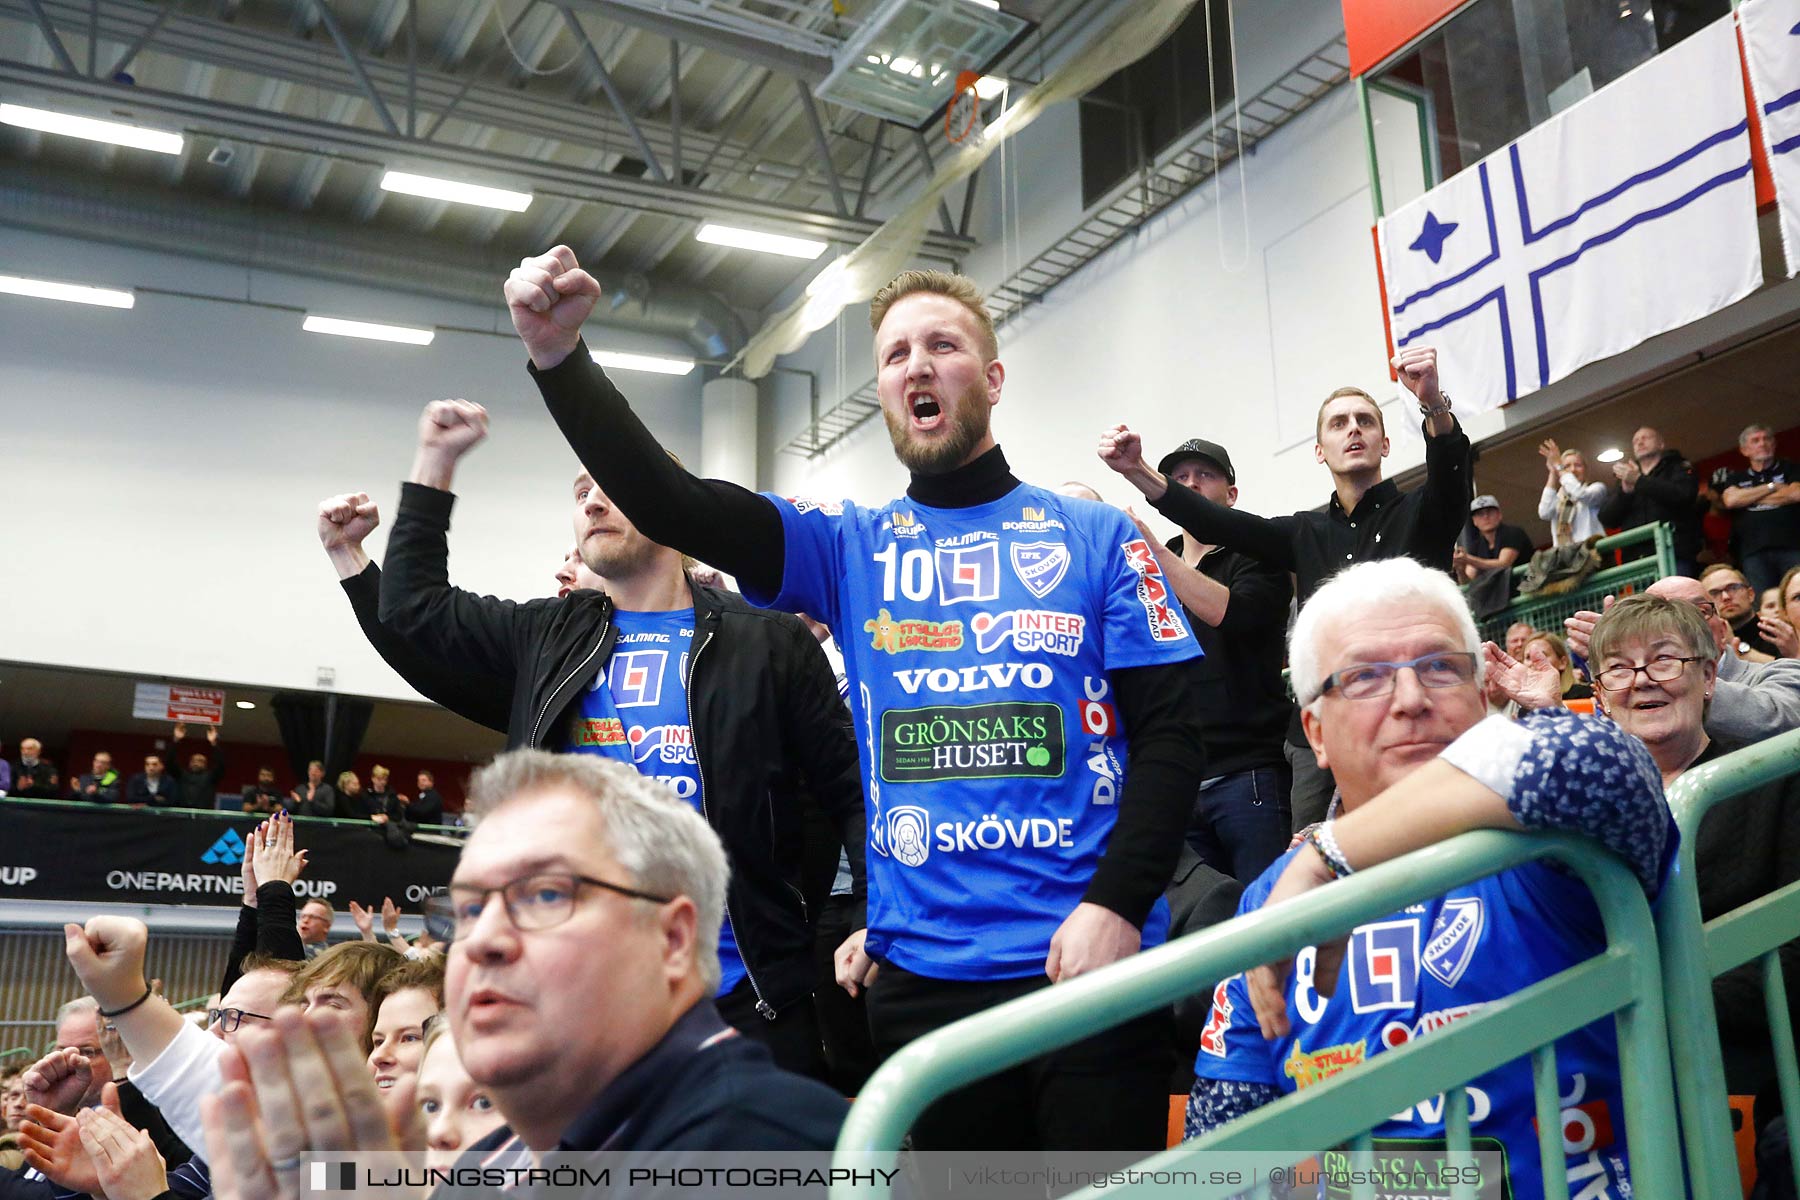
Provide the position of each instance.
(1707, 608)
(228, 1019)
(1660, 669)
(1365, 681)
(532, 903)
(1727, 589)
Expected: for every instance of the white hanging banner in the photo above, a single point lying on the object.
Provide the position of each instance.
(1629, 214)
(1772, 52)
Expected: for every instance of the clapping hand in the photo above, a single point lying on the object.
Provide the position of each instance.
(1528, 685)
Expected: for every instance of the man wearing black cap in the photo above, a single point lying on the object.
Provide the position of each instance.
(1491, 545)
(1238, 610)
(1366, 518)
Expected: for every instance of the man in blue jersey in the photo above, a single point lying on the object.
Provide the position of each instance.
(1000, 640)
(1386, 663)
(731, 708)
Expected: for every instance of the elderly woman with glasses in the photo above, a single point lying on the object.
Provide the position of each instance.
(1655, 670)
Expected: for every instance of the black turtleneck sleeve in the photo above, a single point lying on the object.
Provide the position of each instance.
(719, 523)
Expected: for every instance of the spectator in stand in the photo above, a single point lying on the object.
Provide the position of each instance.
(1736, 602)
(152, 786)
(378, 791)
(1654, 660)
(1492, 545)
(1517, 634)
(1782, 627)
(262, 796)
(253, 996)
(314, 925)
(1547, 651)
(12, 1099)
(457, 1112)
(343, 979)
(574, 574)
(1570, 503)
(390, 923)
(427, 807)
(198, 785)
(35, 778)
(315, 797)
(5, 773)
(1657, 484)
(1237, 607)
(101, 784)
(403, 1001)
(357, 804)
(1763, 500)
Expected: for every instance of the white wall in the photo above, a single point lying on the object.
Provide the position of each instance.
(162, 466)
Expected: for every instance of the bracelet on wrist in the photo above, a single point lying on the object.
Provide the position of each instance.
(119, 1012)
(1324, 840)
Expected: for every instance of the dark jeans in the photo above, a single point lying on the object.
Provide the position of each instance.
(792, 1037)
(1240, 822)
(1313, 785)
(1764, 568)
(843, 1019)
(1109, 1092)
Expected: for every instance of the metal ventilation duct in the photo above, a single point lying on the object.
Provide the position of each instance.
(199, 227)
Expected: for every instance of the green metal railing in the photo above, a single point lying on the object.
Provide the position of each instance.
(207, 814)
(1548, 612)
(1624, 981)
(1693, 954)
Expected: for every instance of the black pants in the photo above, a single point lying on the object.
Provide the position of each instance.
(1109, 1092)
(1310, 793)
(843, 1019)
(792, 1037)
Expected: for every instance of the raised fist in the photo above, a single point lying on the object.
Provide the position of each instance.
(108, 957)
(1121, 449)
(451, 428)
(1418, 371)
(549, 296)
(345, 520)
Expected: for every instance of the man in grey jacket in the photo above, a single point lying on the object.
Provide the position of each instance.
(1751, 701)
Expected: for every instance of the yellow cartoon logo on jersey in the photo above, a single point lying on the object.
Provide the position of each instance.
(1307, 1069)
(898, 635)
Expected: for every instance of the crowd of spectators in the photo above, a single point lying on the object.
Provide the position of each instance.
(1192, 788)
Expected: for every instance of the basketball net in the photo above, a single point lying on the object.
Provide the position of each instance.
(962, 116)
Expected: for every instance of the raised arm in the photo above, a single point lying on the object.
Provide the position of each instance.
(720, 523)
(1266, 539)
(344, 521)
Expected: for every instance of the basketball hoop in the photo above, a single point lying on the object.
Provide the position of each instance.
(962, 116)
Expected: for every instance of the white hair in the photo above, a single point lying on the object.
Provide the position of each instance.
(77, 1006)
(666, 847)
(1362, 589)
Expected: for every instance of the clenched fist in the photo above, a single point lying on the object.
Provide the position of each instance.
(549, 296)
(1417, 367)
(108, 957)
(448, 429)
(345, 520)
(1123, 450)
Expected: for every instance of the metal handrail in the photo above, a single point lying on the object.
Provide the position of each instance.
(200, 813)
(1694, 953)
(1625, 979)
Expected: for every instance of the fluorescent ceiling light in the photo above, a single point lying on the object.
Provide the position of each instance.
(1611, 454)
(990, 86)
(116, 133)
(370, 330)
(752, 239)
(45, 289)
(993, 4)
(450, 189)
(655, 363)
(246, 704)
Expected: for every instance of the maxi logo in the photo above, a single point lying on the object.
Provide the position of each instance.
(1454, 937)
(227, 851)
(1384, 965)
(1030, 630)
(669, 743)
(1153, 592)
(1218, 1022)
(975, 679)
(911, 835)
(1100, 722)
(1040, 566)
(969, 573)
(635, 677)
(897, 635)
(980, 741)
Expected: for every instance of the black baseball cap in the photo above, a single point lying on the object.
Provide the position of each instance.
(1212, 452)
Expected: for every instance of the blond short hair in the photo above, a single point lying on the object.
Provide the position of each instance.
(959, 288)
(1319, 424)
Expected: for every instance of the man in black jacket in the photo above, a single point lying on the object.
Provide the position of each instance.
(153, 785)
(1025, 834)
(728, 706)
(197, 785)
(1657, 484)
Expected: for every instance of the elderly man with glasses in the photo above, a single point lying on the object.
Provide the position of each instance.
(1386, 665)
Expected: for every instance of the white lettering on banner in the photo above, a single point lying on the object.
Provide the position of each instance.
(417, 893)
(907, 828)
(167, 881)
(975, 679)
(1099, 720)
(17, 876)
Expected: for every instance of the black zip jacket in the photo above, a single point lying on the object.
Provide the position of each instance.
(483, 699)
(764, 705)
(1670, 492)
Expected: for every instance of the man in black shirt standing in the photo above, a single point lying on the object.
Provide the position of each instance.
(1763, 499)
(1657, 484)
(1237, 608)
(1493, 545)
(1366, 518)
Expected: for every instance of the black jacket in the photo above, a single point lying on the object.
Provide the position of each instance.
(765, 709)
(166, 795)
(1669, 491)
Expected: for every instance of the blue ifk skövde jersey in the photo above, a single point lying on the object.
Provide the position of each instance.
(637, 712)
(977, 643)
(1414, 972)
